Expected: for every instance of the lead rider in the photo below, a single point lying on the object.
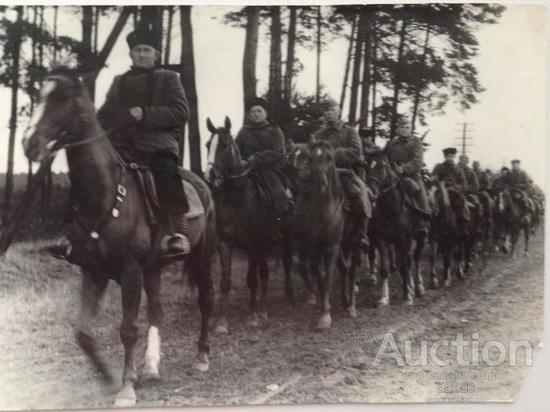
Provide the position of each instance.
(143, 112)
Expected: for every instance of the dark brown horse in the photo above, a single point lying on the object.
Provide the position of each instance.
(323, 232)
(242, 221)
(447, 236)
(393, 224)
(111, 234)
(513, 217)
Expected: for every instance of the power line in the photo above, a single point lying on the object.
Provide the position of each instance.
(466, 138)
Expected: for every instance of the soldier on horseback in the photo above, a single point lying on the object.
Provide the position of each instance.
(517, 180)
(262, 149)
(472, 183)
(406, 153)
(143, 112)
(345, 140)
(449, 174)
(146, 107)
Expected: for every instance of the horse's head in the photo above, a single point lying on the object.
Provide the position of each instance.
(223, 154)
(59, 113)
(321, 163)
(298, 159)
(380, 176)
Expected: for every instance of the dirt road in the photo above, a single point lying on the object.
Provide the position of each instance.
(283, 361)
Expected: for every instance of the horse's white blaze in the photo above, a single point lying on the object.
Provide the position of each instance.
(373, 164)
(152, 355)
(211, 155)
(49, 86)
(318, 152)
(296, 156)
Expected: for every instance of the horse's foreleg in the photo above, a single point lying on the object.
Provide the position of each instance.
(201, 272)
(329, 263)
(303, 260)
(418, 280)
(151, 284)
(526, 232)
(263, 271)
(91, 290)
(131, 283)
(459, 258)
(371, 259)
(434, 281)
(252, 283)
(384, 273)
(224, 250)
(342, 268)
(355, 262)
(447, 256)
(287, 266)
(406, 275)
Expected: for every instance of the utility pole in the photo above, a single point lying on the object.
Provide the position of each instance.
(465, 138)
(318, 74)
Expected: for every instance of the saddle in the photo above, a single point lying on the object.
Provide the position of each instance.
(146, 183)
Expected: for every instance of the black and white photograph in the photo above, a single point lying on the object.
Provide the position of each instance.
(271, 204)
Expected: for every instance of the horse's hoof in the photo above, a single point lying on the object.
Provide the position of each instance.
(263, 316)
(149, 374)
(384, 301)
(420, 291)
(324, 321)
(221, 327)
(310, 299)
(434, 283)
(253, 322)
(352, 312)
(408, 301)
(202, 364)
(126, 397)
(372, 279)
(448, 282)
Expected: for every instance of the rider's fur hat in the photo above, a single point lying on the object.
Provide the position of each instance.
(142, 36)
(515, 161)
(449, 150)
(257, 101)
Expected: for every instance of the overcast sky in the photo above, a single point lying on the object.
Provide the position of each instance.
(509, 121)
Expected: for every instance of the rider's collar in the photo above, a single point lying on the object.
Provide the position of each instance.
(141, 70)
(338, 125)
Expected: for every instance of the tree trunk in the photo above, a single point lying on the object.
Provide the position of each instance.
(91, 76)
(356, 69)
(188, 80)
(86, 56)
(374, 78)
(275, 86)
(96, 29)
(54, 42)
(418, 88)
(348, 63)
(290, 53)
(16, 53)
(365, 88)
(169, 35)
(318, 73)
(397, 77)
(250, 53)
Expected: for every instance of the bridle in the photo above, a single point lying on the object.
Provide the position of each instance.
(234, 158)
(379, 184)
